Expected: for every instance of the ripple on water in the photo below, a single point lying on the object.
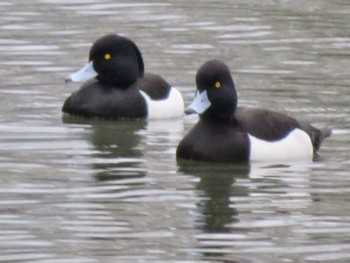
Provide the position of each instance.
(98, 191)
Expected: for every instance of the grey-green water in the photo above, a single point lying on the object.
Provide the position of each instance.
(94, 191)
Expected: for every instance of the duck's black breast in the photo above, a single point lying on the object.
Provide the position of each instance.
(154, 86)
(96, 99)
(215, 142)
(264, 124)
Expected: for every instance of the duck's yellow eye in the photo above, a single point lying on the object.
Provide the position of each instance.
(217, 84)
(107, 56)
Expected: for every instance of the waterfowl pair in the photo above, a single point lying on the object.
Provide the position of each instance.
(225, 133)
(118, 88)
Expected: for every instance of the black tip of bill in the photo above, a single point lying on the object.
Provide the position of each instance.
(190, 111)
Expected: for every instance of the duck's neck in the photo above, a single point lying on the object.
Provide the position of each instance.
(117, 84)
(223, 117)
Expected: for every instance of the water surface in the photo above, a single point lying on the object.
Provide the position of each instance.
(96, 191)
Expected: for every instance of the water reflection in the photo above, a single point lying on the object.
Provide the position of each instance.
(214, 205)
(215, 189)
(77, 192)
(239, 205)
(116, 151)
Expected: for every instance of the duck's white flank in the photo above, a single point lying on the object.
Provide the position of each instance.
(296, 146)
(171, 107)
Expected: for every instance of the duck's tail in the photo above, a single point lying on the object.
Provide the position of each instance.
(317, 135)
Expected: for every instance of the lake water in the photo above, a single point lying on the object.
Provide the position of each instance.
(95, 191)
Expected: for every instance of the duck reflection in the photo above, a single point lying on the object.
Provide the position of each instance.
(215, 188)
(115, 153)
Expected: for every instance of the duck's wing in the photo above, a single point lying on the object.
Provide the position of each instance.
(272, 126)
(265, 124)
(154, 86)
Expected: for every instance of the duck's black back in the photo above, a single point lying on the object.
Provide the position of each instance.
(155, 86)
(265, 124)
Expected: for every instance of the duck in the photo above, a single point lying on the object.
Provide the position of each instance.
(116, 87)
(230, 134)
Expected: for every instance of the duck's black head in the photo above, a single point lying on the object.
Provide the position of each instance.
(116, 60)
(216, 95)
